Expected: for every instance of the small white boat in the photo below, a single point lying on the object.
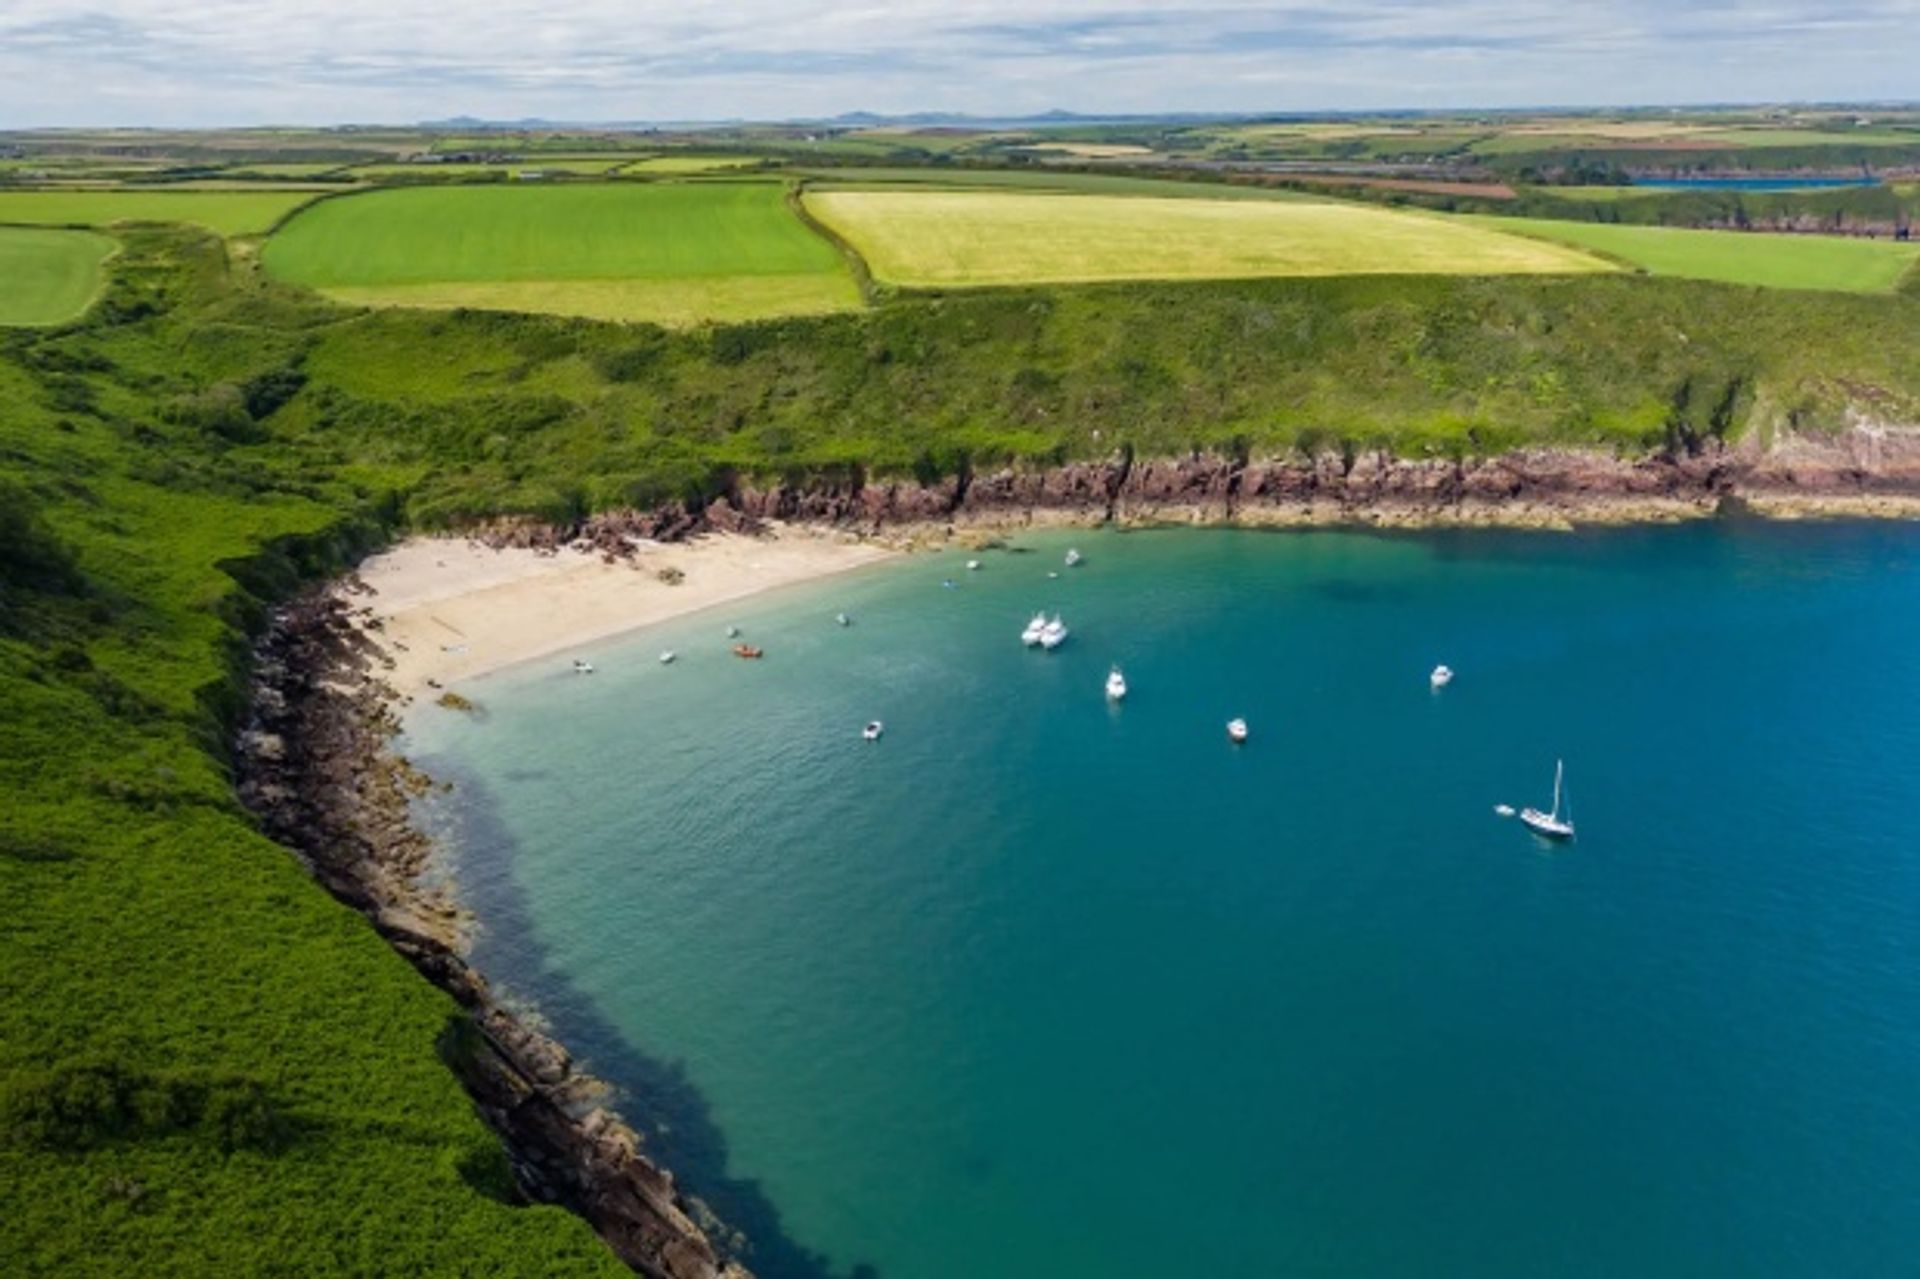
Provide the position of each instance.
(1035, 629)
(843, 619)
(1441, 677)
(1236, 730)
(1053, 634)
(733, 632)
(666, 657)
(582, 668)
(973, 566)
(1116, 685)
(873, 730)
(1551, 825)
(1073, 557)
(1503, 810)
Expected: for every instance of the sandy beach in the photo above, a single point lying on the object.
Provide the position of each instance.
(450, 609)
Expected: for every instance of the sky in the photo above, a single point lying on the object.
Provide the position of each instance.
(182, 63)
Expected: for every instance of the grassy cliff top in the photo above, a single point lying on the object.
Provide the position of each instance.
(207, 1066)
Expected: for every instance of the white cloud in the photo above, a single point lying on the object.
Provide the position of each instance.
(223, 61)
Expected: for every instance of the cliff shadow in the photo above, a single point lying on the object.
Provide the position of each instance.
(655, 1096)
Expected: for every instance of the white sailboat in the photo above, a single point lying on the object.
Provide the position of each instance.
(1074, 557)
(1116, 685)
(1053, 634)
(1551, 825)
(1035, 629)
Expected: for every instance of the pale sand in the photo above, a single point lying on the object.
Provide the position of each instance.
(453, 610)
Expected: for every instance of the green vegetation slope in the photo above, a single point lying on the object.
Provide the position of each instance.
(206, 1066)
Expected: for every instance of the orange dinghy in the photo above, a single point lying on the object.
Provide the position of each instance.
(746, 650)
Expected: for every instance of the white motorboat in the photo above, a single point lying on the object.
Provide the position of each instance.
(1441, 677)
(843, 619)
(666, 657)
(873, 730)
(1116, 685)
(1053, 634)
(1073, 557)
(1035, 629)
(733, 632)
(1236, 730)
(1552, 825)
(1503, 810)
(973, 566)
(582, 668)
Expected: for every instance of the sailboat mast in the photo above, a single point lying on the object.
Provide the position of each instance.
(1559, 768)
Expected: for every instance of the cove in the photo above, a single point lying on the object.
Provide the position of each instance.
(1036, 986)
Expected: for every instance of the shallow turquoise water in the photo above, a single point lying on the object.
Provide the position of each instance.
(1037, 987)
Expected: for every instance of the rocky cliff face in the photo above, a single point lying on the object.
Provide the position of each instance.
(1874, 467)
(316, 768)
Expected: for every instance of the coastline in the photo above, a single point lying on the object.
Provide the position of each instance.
(447, 609)
(336, 668)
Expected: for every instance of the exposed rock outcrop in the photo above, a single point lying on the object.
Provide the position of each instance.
(1872, 467)
(315, 765)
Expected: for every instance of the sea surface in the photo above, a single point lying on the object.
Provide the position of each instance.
(1036, 986)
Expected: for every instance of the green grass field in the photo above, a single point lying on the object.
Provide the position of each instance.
(51, 276)
(1734, 257)
(671, 253)
(1042, 180)
(225, 212)
(588, 165)
(978, 238)
(673, 164)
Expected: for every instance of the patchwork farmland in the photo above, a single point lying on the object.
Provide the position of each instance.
(958, 239)
(1735, 257)
(671, 253)
(50, 276)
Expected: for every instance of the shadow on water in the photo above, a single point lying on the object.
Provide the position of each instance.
(656, 1097)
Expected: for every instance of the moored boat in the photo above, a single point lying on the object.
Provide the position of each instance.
(1035, 628)
(873, 730)
(1236, 730)
(1116, 685)
(1073, 557)
(747, 650)
(582, 667)
(1441, 677)
(1552, 825)
(1053, 634)
(666, 657)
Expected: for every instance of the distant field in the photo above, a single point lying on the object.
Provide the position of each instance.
(689, 163)
(51, 276)
(1047, 180)
(1595, 194)
(670, 253)
(976, 238)
(543, 163)
(1735, 257)
(226, 212)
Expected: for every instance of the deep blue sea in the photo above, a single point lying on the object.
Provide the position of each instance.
(1036, 987)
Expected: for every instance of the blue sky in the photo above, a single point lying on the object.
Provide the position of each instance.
(164, 62)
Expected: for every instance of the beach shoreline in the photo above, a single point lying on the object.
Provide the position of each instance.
(446, 610)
